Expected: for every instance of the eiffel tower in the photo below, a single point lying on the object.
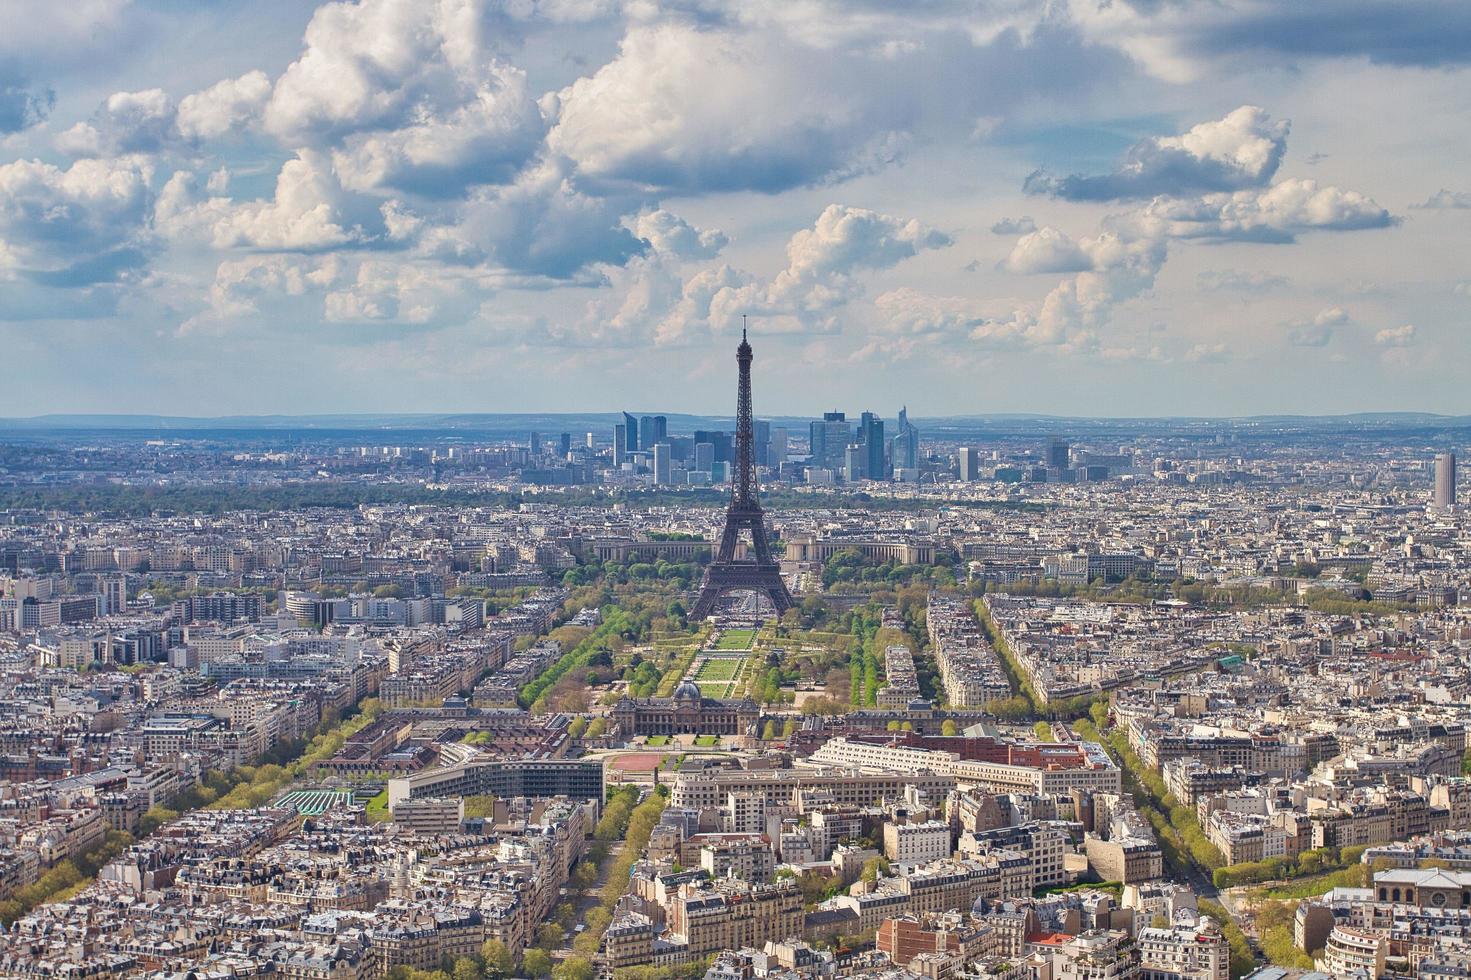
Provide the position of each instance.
(725, 574)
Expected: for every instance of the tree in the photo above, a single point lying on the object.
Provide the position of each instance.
(574, 968)
(549, 936)
(536, 963)
(465, 969)
(584, 875)
(498, 959)
(769, 731)
(789, 727)
(874, 868)
(949, 728)
(156, 816)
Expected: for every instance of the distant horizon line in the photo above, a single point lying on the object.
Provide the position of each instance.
(132, 419)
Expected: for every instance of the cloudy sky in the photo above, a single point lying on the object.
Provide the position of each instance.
(1098, 207)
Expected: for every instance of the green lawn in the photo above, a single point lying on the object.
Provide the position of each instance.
(735, 640)
(718, 670)
(377, 808)
(707, 740)
(658, 740)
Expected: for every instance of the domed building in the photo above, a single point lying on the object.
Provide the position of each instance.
(688, 712)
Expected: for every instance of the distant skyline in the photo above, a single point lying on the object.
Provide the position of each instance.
(1126, 209)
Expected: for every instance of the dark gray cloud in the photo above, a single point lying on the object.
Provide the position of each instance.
(1419, 33)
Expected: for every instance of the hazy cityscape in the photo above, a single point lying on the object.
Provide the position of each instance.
(673, 697)
(735, 490)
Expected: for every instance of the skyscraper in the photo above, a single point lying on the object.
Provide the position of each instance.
(904, 451)
(871, 438)
(719, 440)
(970, 465)
(1056, 457)
(533, 443)
(114, 589)
(620, 445)
(853, 463)
(652, 430)
(663, 465)
(705, 456)
(777, 449)
(630, 435)
(829, 440)
(564, 444)
(762, 448)
(1445, 481)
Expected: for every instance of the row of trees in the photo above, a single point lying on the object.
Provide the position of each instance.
(770, 733)
(1181, 838)
(240, 788)
(580, 727)
(496, 962)
(63, 877)
(1308, 863)
(257, 785)
(850, 571)
(1274, 933)
(221, 498)
(1243, 958)
(1027, 704)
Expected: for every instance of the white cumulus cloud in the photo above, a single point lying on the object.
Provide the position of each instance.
(1046, 250)
(74, 226)
(1401, 336)
(1277, 214)
(126, 122)
(1239, 151)
(669, 234)
(224, 107)
(684, 108)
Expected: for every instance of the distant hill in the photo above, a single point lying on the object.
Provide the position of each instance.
(507, 425)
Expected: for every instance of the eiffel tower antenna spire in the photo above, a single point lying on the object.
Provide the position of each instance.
(724, 574)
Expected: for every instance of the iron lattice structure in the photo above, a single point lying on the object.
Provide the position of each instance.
(725, 574)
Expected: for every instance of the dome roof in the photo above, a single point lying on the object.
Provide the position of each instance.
(687, 691)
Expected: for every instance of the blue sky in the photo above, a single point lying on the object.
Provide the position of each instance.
(1126, 208)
